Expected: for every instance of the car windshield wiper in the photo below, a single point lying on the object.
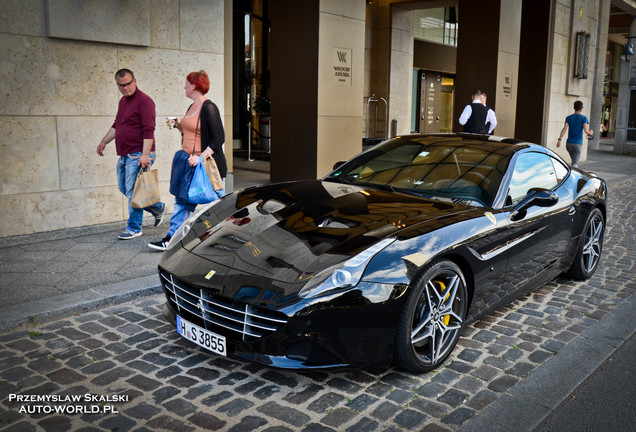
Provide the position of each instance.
(440, 195)
(421, 193)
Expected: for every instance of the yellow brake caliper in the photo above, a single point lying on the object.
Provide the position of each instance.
(442, 287)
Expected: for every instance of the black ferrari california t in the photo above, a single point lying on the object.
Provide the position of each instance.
(387, 258)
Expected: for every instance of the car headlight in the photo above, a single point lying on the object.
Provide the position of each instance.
(187, 225)
(344, 275)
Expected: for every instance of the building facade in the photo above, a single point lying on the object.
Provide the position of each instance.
(306, 83)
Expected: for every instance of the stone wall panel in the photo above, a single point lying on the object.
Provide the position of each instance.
(29, 213)
(201, 26)
(163, 31)
(162, 75)
(29, 155)
(339, 139)
(112, 21)
(335, 98)
(80, 165)
(60, 99)
(49, 77)
(21, 17)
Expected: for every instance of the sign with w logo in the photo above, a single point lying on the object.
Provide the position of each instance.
(342, 66)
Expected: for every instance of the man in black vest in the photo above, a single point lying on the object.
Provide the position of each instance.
(477, 117)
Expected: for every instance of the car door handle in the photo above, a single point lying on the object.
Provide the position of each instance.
(572, 211)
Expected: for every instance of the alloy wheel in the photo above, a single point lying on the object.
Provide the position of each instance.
(433, 318)
(592, 245)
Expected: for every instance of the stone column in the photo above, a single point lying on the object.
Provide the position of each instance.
(599, 72)
(622, 110)
(534, 58)
(507, 79)
(477, 54)
(228, 121)
(389, 68)
(400, 71)
(317, 69)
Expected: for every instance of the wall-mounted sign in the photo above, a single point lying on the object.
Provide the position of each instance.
(342, 66)
(507, 86)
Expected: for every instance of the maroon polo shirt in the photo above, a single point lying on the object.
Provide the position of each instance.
(135, 121)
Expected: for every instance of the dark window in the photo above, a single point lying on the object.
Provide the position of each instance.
(631, 121)
(582, 55)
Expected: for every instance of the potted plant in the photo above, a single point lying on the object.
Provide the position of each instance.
(262, 106)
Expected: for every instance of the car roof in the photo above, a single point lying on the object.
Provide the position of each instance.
(459, 138)
(467, 138)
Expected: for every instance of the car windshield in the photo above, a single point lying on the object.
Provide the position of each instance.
(443, 167)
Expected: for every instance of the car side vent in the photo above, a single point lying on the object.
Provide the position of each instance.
(222, 247)
(236, 238)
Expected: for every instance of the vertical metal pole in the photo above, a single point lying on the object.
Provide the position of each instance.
(386, 117)
(375, 128)
(249, 142)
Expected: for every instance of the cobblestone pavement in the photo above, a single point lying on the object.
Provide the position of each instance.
(132, 372)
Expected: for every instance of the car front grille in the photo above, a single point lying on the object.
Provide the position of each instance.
(245, 321)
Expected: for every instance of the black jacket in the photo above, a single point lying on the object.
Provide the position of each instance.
(212, 134)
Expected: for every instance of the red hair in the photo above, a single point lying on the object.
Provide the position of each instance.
(200, 81)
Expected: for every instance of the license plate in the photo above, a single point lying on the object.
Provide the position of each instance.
(202, 337)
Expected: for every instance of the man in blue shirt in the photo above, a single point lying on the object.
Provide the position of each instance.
(577, 123)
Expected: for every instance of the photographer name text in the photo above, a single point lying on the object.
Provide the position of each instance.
(87, 403)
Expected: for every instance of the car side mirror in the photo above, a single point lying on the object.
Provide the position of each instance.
(338, 165)
(536, 197)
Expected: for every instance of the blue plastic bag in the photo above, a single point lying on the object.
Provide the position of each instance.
(201, 190)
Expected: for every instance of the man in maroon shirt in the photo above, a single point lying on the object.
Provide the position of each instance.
(134, 135)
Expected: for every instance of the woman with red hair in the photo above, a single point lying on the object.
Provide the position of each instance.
(202, 135)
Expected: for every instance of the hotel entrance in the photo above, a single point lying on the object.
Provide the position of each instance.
(432, 101)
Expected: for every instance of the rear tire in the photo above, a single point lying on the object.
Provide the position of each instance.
(432, 320)
(590, 247)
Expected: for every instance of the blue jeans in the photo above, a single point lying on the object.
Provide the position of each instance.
(127, 170)
(182, 211)
(575, 153)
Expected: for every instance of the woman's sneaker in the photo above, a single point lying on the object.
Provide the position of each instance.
(160, 245)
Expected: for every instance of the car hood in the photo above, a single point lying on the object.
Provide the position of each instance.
(290, 231)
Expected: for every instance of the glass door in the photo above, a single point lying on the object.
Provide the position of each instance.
(251, 79)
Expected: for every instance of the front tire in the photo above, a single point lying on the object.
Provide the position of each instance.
(433, 318)
(588, 253)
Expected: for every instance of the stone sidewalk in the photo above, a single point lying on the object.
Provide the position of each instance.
(508, 372)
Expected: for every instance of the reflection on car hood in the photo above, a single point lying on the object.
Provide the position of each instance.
(290, 231)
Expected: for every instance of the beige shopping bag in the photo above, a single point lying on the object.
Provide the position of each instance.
(146, 191)
(213, 173)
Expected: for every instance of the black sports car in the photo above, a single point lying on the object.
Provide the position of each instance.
(385, 259)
